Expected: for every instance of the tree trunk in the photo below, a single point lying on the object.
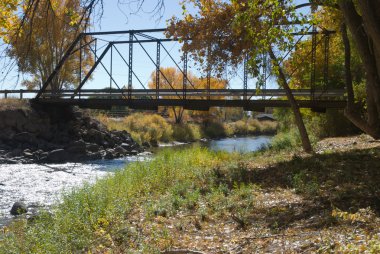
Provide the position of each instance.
(352, 112)
(293, 103)
(364, 32)
(178, 117)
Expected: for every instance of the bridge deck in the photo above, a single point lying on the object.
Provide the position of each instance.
(194, 104)
(138, 93)
(196, 99)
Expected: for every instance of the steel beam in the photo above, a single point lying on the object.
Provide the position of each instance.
(59, 65)
(130, 66)
(184, 86)
(158, 59)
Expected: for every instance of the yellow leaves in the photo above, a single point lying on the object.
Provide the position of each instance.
(363, 215)
(189, 18)
(103, 222)
(73, 15)
(8, 16)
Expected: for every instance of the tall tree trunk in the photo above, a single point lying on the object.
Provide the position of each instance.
(293, 103)
(352, 111)
(364, 32)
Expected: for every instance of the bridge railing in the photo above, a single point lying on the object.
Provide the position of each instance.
(18, 94)
(203, 94)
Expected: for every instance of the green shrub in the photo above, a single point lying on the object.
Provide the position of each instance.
(214, 130)
(286, 140)
(186, 132)
(302, 183)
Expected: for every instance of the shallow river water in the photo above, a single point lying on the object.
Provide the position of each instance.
(40, 185)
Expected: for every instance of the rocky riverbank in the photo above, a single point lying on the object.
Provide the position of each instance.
(36, 134)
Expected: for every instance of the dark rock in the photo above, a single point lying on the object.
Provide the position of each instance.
(95, 136)
(120, 151)
(14, 153)
(23, 131)
(145, 144)
(18, 208)
(6, 134)
(126, 146)
(59, 155)
(11, 161)
(28, 154)
(133, 152)
(24, 137)
(76, 147)
(94, 148)
(110, 154)
(94, 156)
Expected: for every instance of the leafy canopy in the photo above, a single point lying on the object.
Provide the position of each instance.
(224, 32)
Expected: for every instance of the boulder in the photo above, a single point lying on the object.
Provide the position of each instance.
(28, 154)
(59, 155)
(133, 152)
(120, 151)
(126, 146)
(94, 156)
(110, 154)
(94, 148)
(95, 136)
(18, 208)
(76, 147)
(14, 153)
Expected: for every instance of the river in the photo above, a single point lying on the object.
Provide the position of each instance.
(40, 185)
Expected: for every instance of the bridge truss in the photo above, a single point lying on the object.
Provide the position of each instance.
(188, 96)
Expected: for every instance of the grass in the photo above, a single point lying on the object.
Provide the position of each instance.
(152, 128)
(308, 201)
(11, 104)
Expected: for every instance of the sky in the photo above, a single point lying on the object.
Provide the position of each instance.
(120, 17)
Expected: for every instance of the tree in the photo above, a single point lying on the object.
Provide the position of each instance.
(7, 16)
(363, 20)
(227, 31)
(172, 78)
(42, 41)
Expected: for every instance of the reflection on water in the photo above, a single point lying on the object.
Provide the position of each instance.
(237, 144)
(241, 144)
(40, 185)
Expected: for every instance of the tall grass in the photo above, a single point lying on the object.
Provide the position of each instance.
(13, 103)
(144, 128)
(96, 217)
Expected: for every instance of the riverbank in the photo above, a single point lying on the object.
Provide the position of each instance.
(206, 201)
(151, 129)
(37, 134)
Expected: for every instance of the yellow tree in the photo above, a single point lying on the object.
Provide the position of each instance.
(215, 83)
(38, 45)
(8, 16)
(173, 78)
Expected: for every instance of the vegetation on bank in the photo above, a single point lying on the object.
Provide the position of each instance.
(153, 128)
(216, 197)
(11, 104)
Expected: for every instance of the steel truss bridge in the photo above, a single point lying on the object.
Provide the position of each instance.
(134, 93)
